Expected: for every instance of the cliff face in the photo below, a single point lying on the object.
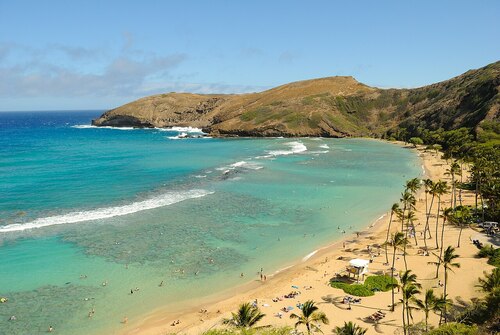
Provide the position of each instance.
(329, 107)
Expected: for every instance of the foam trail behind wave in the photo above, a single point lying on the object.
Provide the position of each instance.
(165, 199)
(88, 126)
(295, 148)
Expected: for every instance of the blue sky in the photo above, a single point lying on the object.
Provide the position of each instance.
(85, 54)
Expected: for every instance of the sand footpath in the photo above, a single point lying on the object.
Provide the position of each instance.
(311, 278)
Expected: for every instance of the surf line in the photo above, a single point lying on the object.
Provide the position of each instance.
(162, 200)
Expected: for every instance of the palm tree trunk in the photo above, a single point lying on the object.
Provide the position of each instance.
(453, 199)
(441, 251)
(426, 321)
(460, 235)
(392, 277)
(461, 181)
(443, 312)
(403, 217)
(437, 221)
(404, 252)
(426, 228)
(414, 233)
(408, 312)
(387, 238)
(477, 191)
(403, 311)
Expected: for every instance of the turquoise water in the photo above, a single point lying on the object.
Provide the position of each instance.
(82, 207)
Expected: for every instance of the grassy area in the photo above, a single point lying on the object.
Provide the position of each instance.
(371, 285)
(358, 290)
(380, 283)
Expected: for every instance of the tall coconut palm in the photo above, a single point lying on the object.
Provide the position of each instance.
(461, 217)
(409, 288)
(427, 186)
(447, 261)
(246, 317)
(394, 210)
(350, 328)
(398, 242)
(408, 200)
(441, 188)
(413, 185)
(447, 214)
(431, 303)
(411, 218)
(432, 190)
(310, 317)
(453, 170)
(408, 296)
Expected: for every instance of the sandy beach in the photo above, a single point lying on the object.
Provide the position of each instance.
(311, 276)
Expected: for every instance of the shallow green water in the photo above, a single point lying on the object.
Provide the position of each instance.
(133, 208)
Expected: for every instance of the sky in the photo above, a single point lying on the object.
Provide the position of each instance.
(87, 54)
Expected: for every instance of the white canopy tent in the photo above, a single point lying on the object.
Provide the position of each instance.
(358, 267)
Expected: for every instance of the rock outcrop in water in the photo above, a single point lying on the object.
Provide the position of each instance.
(328, 107)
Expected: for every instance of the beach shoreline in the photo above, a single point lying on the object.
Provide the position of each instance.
(314, 270)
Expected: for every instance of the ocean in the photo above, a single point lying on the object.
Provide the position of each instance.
(97, 218)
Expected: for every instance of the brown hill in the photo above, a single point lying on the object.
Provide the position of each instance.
(330, 107)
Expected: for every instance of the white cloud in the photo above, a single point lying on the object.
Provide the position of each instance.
(37, 73)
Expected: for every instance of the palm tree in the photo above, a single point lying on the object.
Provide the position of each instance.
(447, 214)
(408, 295)
(413, 185)
(427, 186)
(431, 303)
(461, 217)
(447, 261)
(453, 170)
(408, 200)
(441, 188)
(394, 210)
(409, 288)
(350, 328)
(491, 281)
(246, 317)
(310, 317)
(410, 219)
(431, 189)
(398, 241)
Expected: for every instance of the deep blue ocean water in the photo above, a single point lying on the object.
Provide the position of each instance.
(88, 213)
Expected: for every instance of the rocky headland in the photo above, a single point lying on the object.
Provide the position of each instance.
(328, 107)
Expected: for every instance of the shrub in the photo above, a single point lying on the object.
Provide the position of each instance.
(454, 329)
(492, 253)
(358, 290)
(380, 283)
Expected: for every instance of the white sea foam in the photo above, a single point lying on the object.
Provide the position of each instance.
(181, 129)
(324, 146)
(295, 148)
(240, 164)
(178, 129)
(165, 199)
(309, 255)
(88, 126)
